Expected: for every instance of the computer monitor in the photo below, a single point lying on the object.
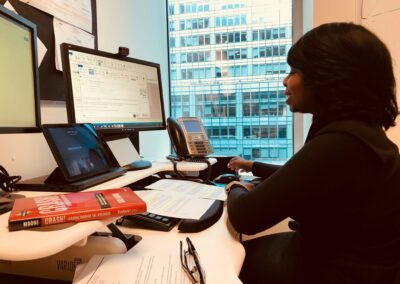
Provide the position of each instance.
(116, 94)
(19, 85)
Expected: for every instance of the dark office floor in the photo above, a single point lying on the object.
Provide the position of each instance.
(14, 279)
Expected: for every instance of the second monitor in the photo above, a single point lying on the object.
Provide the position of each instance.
(116, 94)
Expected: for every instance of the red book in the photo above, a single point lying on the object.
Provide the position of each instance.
(74, 207)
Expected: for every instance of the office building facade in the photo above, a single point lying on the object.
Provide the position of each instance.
(227, 63)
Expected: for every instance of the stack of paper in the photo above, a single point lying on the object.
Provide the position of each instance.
(180, 198)
(156, 267)
(155, 261)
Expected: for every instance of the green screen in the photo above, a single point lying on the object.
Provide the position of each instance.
(17, 89)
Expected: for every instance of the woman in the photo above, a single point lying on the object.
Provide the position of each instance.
(343, 186)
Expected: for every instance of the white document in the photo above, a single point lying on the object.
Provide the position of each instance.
(124, 151)
(155, 259)
(9, 7)
(191, 188)
(41, 48)
(157, 268)
(75, 12)
(173, 204)
(64, 32)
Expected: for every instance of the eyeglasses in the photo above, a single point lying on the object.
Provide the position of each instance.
(191, 263)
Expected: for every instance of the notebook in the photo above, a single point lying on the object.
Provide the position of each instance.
(81, 158)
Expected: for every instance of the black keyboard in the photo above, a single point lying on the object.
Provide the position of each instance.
(149, 221)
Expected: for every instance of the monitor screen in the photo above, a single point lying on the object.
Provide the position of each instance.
(115, 94)
(77, 149)
(19, 87)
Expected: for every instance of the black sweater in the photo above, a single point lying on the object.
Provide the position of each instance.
(343, 187)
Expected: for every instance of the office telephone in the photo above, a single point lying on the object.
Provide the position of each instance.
(188, 137)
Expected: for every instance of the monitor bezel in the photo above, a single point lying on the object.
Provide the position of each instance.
(19, 20)
(65, 48)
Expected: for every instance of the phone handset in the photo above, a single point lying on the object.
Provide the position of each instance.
(188, 136)
(177, 137)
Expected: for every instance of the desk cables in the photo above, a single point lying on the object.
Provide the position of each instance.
(7, 182)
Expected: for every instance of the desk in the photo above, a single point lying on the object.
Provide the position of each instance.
(35, 243)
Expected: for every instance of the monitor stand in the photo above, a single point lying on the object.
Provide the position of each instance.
(55, 177)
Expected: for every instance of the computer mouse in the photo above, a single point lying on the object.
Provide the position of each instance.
(226, 178)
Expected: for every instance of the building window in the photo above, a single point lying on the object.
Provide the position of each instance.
(172, 42)
(171, 26)
(171, 9)
(228, 70)
(194, 24)
(229, 21)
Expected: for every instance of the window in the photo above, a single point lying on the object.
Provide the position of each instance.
(171, 26)
(228, 70)
(172, 58)
(171, 9)
(193, 24)
(171, 42)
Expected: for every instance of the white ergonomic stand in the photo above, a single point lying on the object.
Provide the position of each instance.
(44, 242)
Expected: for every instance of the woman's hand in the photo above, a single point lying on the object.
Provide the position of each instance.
(246, 185)
(238, 163)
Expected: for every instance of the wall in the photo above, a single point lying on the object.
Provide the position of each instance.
(137, 24)
(378, 16)
(141, 26)
(335, 11)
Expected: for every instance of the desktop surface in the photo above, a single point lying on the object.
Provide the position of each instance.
(67, 235)
(43, 183)
(225, 263)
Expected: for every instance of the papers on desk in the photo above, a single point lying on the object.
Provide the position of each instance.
(134, 267)
(149, 268)
(155, 259)
(174, 205)
(180, 198)
(190, 188)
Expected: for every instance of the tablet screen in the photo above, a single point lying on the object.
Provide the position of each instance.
(77, 149)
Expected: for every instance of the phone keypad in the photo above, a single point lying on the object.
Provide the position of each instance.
(200, 147)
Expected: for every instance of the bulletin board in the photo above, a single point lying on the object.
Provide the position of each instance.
(50, 79)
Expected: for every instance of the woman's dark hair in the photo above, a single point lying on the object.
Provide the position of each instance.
(349, 72)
